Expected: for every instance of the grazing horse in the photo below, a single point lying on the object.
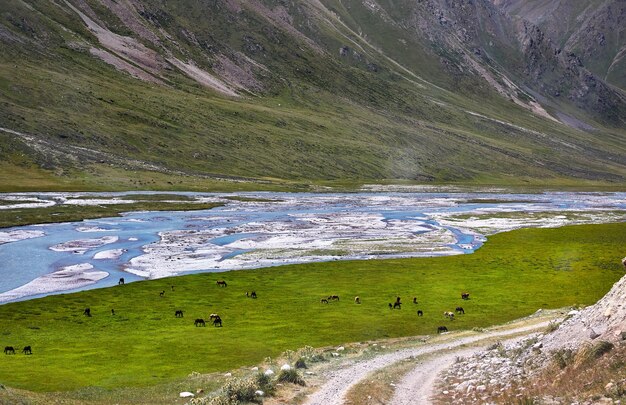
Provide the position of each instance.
(9, 350)
(420, 313)
(357, 300)
(199, 322)
(87, 312)
(415, 300)
(449, 315)
(27, 350)
(217, 321)
(112, 311)
(397, 305)
(465, 296)
(323, 301)
(460, 310)
(121, 282)
(253, 294)
(162, 293)
(333, 298)
(442, 329)
(221, 283)
(178, 313)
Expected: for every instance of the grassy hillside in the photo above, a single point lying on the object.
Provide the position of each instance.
(513, 275)
(98, 94)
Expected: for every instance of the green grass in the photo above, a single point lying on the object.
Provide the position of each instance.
(70, 213)
(513, 275)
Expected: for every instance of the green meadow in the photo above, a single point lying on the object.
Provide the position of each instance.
(143, 344)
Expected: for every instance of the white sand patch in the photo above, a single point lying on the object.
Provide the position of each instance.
(17, 235)
(80, 246)
(94, 229)
(109, 254)
(96, 201)
(66, 278)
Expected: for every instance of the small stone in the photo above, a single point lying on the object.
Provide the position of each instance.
(609, 386)
(481, 388)
(573, 312)
(593, 334)
(285, 367)
(334, 354)
(341, 349)
(199, 391)
(268, 372)
(259, 393)
(309, 373)
(186, 394)
(254, 369)
(445, 392)
(228, 375)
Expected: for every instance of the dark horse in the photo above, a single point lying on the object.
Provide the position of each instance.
(27, 350)
(442, 329)
(87, 312)
(121, 282)
(460, 310)
(465, 296)
(9, 350)
(397, 305)
(221, 283)
(217, 321)
(199, 322)
(420, 313)
(253, 294)
(178, 313)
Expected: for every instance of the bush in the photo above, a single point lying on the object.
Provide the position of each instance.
(240, 391)
(562, 357)
(265, 384)
(291, 376)
(300, 363)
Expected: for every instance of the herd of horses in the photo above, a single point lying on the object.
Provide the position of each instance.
(217, 320)
(11, 350)
(398, 305)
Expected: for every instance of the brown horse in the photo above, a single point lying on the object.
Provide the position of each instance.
(221, 283)
(442, 329)
(87, 312)
(465, 296)
(199, 322)
(460, 310)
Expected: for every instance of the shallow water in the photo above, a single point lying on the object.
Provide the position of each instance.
(294, 228)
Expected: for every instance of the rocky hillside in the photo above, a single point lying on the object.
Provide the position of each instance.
(579, 360)
(429, 90)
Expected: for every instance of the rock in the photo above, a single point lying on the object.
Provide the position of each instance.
(573, 312)
(334, 354)
(228, 375)
(537, 346)
(341, 349)
(481, 388)
(268, 372)
(285, 367)
(259, 393)
(462, 386)
(445, 392)
(199, 391)
(254, 369)
(593, 334)
(186, 394)
(609, 386)
(309, 373)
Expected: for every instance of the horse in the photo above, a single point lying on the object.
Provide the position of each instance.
(121, 282)
(199, 322)
(253, 294)
(397, 305)
(415, 300)
(323, 301)
(465, 296)
(27, 350)
(112, 311)
(217, 321)
(460, 310)
(398, 300)
(390, 305)
(449, 315)
(420, 313)
(357, 300)
(221, 283)
(162, 293)
(9, 350)
(333, 298)
(87, 312)
(442, 329)
(178, 313)
(172, 288)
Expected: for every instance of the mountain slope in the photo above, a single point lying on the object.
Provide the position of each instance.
(426, 90)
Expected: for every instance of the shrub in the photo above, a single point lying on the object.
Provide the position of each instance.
(291, 376)
(265, 383)
(552, 326)
(300, 363)
(562, 357)
(241, 391)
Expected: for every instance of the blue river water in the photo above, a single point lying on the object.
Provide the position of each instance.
(288, 226)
